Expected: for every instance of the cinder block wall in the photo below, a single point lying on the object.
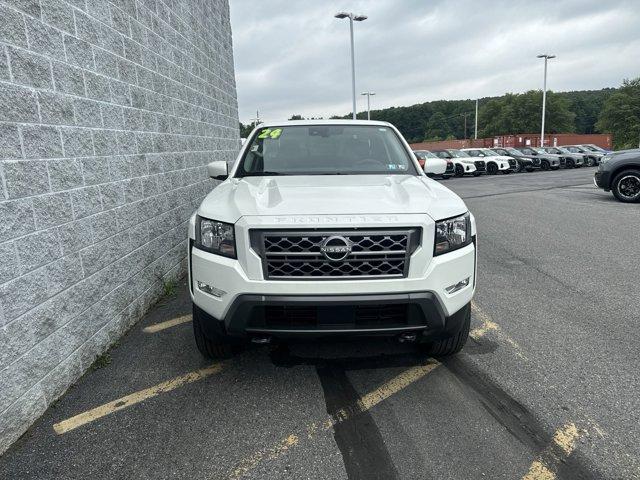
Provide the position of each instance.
(109, 111)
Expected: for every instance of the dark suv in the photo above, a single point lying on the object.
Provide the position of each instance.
(523, 163)
(619, 172)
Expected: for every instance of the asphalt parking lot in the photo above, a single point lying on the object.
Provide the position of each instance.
(547, 387)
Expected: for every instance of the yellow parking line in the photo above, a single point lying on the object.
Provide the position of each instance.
(168, 324)
(563, 444)
(137, 397)
(365, 403)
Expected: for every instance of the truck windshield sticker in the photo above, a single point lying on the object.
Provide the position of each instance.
(268, 133)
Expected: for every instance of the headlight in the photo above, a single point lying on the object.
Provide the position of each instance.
(215, 237)
(452, 234)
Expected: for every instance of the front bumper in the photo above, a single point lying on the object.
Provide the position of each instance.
(318, 315)
(601, 180)
(245, 292)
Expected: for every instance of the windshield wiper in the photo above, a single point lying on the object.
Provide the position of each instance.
(263, 174)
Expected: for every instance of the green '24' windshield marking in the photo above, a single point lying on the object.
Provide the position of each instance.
(268, 133)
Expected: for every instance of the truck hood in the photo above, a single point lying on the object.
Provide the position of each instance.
(330, 195)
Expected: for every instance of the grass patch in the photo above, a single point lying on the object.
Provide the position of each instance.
(169, 288)
(101, 362)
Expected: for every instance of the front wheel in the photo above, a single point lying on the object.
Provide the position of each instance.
(544, 165)
(216, 343)
(492, 168)
(459, 170)
(626, 186)
(453, 344)
(570, 163)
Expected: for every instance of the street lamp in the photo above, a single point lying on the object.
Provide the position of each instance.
(368, 94)
(546, 57)
(352, 18)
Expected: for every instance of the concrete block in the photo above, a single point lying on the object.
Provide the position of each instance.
(17, 104)
(58, 14)
(22, 294)
(79, 52)
(44, 39)
(86, 201)
(13, 29)
(77, 142)
(17, 219)
(97, 87)
(55, 108)
(87, 113)
(75, 235)
(26, 178)
(10, 146)
(41, 141)
(104, 142)
(52, 210)
(9, 263)
(112, 195)
(68, 79)
(38, 249)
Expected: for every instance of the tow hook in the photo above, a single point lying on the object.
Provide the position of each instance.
(407, 337)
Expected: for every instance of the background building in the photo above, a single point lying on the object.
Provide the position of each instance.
(109, 112)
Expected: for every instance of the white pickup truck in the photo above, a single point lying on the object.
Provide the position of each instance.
(325, 228)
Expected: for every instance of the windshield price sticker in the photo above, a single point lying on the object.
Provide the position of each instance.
(268, 133)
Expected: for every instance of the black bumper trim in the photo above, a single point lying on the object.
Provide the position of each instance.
(433, 323)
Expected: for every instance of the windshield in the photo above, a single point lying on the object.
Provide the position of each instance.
(425, 154)
(325, 150)
(474, 153)
(552, 150)
(488, 152)
(527, 151)
(574, 149)
(513, 151)
(563, 150)
(539, 150)
(458, 154)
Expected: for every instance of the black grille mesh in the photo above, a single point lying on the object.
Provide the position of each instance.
(298, 254)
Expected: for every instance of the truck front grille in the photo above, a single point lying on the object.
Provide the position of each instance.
(513, 163)
(323, 254)
(481, 166)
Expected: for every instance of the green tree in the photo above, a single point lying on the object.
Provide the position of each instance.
(621, 115)
(296, 117)
(437, 128)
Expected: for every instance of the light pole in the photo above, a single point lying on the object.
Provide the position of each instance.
(352, 18)
(475, 135)
(368, 94)
(546, 57)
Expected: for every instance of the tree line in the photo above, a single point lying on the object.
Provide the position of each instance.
(609, 110)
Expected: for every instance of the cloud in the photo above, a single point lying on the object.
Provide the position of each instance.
(292, 57)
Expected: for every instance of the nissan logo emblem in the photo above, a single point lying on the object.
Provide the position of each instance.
(335, 248)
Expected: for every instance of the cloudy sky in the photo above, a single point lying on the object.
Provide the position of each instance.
(292, 56)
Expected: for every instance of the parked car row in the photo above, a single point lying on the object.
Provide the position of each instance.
(448, 162)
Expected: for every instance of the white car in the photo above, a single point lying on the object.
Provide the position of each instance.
(463, 164)
(330, 227)
(434, 165)
(494, 163)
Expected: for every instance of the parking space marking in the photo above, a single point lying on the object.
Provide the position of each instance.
(365, 403)
(564, 442)
(488, 325)
(157, 327)
(131, 399)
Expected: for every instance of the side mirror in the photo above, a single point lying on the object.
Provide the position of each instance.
(429, 168)
(218, 170)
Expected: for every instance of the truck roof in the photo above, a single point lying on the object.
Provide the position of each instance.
(283, 123)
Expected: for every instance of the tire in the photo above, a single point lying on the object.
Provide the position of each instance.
(591, 162)
(626, 186)
(555, 168)
(451, 345)
(220, 346)
(570, 163)
(446, 177)
(519, 168)
(530, 169)
(459, 170)
(544, 165)
(492, 168)
(477, 174)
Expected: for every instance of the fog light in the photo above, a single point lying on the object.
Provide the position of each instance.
(458, 286)
(216, 292)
